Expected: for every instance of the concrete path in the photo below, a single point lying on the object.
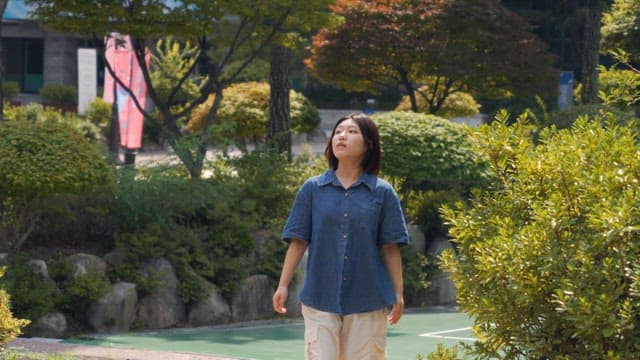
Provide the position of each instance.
(87, 352)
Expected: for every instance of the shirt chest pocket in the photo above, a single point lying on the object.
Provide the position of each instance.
(367, 211)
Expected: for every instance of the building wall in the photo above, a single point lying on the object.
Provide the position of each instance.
(61, 62)
(60, 53)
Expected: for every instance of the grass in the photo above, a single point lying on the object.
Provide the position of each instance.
(12, 354)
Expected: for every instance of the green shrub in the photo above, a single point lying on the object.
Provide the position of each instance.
(59, 94)
(37, 113)
(458, 104)
(10, 90)
(548, 257)
(32, 296)
(201, 228)
(619, 87)
(10, 327)
(41, 160)
(425, 149)
(417, 269)
(244, 113)
(445, 353)
(99, 114)
(423, 209)
(564, 119)
(78, 294)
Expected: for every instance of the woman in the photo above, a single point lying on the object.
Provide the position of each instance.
(352, 224)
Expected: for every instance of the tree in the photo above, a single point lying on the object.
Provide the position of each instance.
(3, 7)
(305, 17)
(221, 31)
(591, 55)
(547, 260)
(621, 27)
(475, 44)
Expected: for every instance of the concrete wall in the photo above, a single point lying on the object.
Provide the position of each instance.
(61, 62)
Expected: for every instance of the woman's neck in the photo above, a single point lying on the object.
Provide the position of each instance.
(348, 174)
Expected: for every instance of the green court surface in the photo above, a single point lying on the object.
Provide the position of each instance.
(417, 333)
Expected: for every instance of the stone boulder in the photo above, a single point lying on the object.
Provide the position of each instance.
(162, 308)
(52, 325)
(39, 268)
(115, 311)
(213, 310)
(252, 300)
(83, 264)
(441, 290)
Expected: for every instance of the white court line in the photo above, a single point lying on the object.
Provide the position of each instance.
(438, 335)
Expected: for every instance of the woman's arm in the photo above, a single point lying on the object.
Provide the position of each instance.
(295, 252)
(393, 261)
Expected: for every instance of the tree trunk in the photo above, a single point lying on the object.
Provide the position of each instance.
(3, 6)
(590, 62)
(114, 136)
(279, 137)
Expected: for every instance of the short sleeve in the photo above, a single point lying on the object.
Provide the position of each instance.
(298, 224)
(393, 227)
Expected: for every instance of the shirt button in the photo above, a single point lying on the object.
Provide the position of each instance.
(346, 194)
(345, 257)
(345, 214)
(344, 236)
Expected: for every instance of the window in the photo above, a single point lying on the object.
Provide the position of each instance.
(24, 63)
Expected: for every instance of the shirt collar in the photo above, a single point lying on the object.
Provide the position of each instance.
(329, 177)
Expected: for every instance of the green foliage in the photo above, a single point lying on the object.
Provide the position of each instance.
(565, 119)
(457, 104)
(201, 228)
(621, 27)
(445, 353)
(59, 94)
(32, 295)
(10, 89)
(417, 269)
(19, 354)
(171, 61)
(43, 159)
(620, 84)
(10, 327)
(78, 294)
(37, 113)
(98, 113)
(427, 149)
(423, 209)
(547, 262)
(244, 113)
(256, 71)
(38, 161)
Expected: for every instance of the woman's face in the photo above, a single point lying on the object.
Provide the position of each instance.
(348, 142)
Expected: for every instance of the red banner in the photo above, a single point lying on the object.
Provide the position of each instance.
(120, 56)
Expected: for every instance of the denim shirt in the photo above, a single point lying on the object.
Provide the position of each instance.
(345, 229)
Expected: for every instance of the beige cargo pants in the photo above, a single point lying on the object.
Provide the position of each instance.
(330, 336)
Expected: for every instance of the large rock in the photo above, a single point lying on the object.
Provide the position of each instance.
(213, 310)
(441, 290)
(83, 264)
(39, 268)
(115, 311)
(163, 307)
(252, 300)
(52, 325)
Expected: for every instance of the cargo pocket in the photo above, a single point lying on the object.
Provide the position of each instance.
(378, 346)
(311, 350)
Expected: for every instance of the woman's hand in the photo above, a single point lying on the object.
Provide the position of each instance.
(279, 298)
(397, 310)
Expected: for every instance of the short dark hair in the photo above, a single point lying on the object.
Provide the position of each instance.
(371, 136)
